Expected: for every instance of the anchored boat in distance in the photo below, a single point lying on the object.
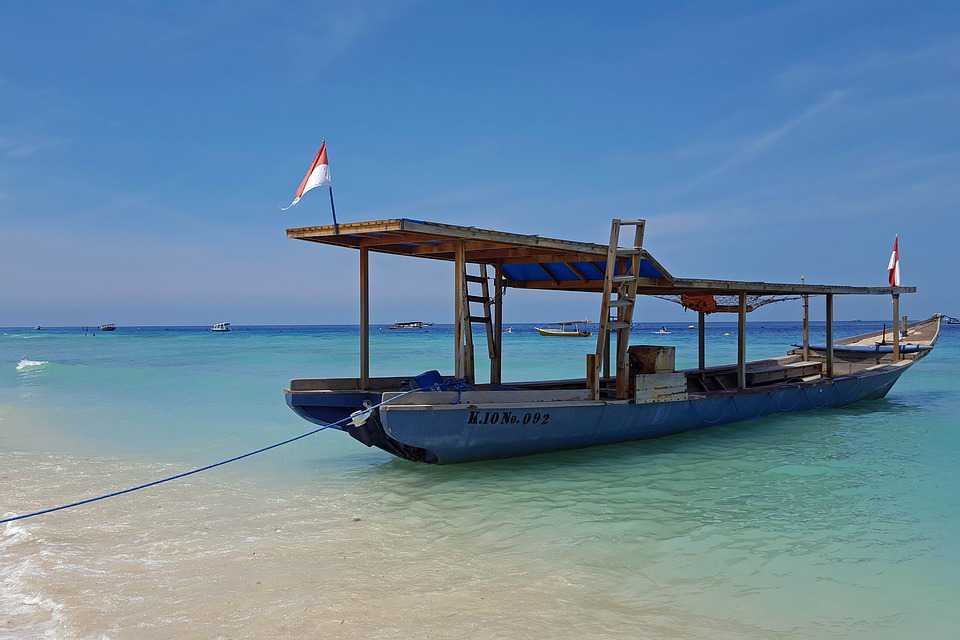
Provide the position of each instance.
(108, 327)
(633, 393)
(415, 324)
(568, 329)
(220, 327)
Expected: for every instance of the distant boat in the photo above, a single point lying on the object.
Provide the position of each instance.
(663, 331)
(951, 320)
(508, 330)
(37, 328)
(220, 327)
(108, 327)
(416, 324)
(562, 329)
(691, 326)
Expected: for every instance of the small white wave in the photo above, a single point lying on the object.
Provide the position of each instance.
(29, 364)
(28, 611)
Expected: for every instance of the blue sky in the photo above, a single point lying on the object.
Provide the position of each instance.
(146, 148)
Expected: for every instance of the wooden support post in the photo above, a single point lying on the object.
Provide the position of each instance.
(806, 327)
(742, 343)
(591, 370)
(496, 367)
(905, 327)
(702, 340)
(459, 268)
(829, 335)
(606, 356)
(896, 327)
(603, 334)
(364, 318)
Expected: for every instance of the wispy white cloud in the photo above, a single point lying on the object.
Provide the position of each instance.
(763, 142)
(334, 30)
(17, 147)
(881, 63)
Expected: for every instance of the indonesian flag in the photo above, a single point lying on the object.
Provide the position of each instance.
(318, 175)
(893, 269)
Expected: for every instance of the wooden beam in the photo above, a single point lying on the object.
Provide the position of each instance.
(576, 270)
(450, 246)
(473, 233)
(829, 345)
(574, 285)
(364, 318)
(681, 285)
(548, 272)
(606, 355)
(592, 382)
(806, 327)
(742, 343)
(605, 310)
(896, 327)
(389, 239)
(701, 340)
(526, 256)
(459, 298)
(496, 367)
(346, 228)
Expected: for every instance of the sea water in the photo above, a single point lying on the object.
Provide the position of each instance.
(841, 523)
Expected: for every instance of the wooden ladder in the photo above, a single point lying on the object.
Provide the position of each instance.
(468, 320)
(625, 286)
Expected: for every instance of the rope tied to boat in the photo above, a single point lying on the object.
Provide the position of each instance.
(423, 382)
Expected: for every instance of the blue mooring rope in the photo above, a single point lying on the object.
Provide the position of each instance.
(184, 474)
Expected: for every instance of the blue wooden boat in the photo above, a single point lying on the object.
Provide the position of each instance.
(628, 392)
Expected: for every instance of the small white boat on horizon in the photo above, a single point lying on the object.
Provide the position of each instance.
(416, 324)
(220, 327)
(563, 330)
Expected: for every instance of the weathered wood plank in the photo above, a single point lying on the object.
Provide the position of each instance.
(701, 340)
(364, 318)
(742, 343)
(496, 363)
(829, 345)
(896, 327)
(806, 326)
(681, 285)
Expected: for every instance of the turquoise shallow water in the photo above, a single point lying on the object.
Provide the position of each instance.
(829, 524)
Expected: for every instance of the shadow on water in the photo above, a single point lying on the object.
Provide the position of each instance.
(811, 479)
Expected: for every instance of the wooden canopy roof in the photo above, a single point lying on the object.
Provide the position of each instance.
(538, 262)
(528, 261)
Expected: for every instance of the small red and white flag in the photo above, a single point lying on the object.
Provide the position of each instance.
(893, 269)
(318, 175)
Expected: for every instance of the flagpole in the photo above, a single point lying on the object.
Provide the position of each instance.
(333, 210)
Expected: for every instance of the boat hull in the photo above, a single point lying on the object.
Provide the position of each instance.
(556, 333)
(453, 433)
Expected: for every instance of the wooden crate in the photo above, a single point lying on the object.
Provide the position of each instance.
(659, 387)
(652, 358)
